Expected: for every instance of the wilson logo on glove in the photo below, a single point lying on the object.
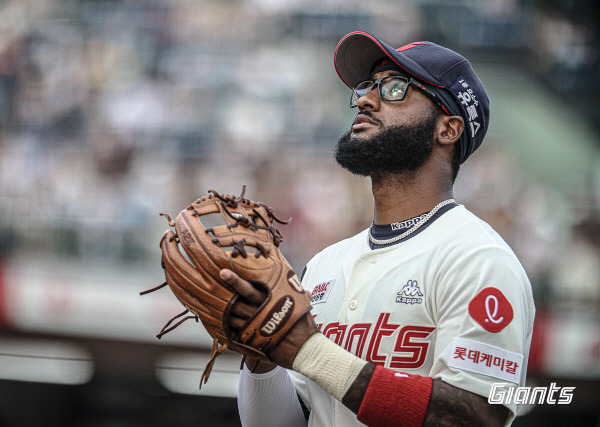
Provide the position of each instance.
(295, 281)
(284, 306)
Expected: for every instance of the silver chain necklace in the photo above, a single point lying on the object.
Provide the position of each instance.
(424, 218)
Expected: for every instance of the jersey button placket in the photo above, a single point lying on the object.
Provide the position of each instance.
(361, 272)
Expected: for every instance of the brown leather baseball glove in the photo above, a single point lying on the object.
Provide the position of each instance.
(225, 231)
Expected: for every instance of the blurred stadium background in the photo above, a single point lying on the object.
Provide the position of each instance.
(107, 107)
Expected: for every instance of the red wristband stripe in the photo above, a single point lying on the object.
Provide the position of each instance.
(394, 398)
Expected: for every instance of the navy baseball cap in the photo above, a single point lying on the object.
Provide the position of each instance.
(449, 74)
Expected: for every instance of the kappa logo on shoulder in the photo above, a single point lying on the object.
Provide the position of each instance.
(410, 293)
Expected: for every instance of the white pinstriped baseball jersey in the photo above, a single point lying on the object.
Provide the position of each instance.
(452, 302)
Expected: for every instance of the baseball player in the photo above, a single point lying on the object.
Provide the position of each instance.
(415, 318)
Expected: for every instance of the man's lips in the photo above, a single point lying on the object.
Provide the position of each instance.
(363, 121)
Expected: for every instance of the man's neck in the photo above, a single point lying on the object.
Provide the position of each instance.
(406, 195)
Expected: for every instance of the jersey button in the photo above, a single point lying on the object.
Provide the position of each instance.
(353, 305)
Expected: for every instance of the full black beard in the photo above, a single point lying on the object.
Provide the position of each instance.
(395, 149)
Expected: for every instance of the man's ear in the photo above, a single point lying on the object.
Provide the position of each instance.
(449, 129)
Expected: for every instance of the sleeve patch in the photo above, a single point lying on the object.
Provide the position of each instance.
(491, 309)
(320, 293)
(485, 359)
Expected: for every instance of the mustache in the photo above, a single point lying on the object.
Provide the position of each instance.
(370, 115)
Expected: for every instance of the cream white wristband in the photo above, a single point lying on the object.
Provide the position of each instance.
(329, 365)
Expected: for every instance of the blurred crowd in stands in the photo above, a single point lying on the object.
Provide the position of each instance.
(114, 111)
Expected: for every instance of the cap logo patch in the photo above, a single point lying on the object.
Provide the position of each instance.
(469, 102)
(410, 46)
(491, 309)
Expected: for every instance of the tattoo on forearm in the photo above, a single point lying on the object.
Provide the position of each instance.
(452, 406)
(448, 406)
(357, 390)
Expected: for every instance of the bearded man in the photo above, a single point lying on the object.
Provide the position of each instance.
(416, 318)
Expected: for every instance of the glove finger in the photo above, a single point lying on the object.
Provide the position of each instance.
(185, 276)
(191, 304)
(199, 245)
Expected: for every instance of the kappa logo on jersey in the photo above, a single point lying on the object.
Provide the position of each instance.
(410, 293)
(491, 309)
(321, 292)
(408, 223)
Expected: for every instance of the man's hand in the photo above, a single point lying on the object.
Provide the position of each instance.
(252, 298)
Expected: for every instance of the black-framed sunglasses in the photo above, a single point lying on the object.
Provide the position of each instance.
(391, 88)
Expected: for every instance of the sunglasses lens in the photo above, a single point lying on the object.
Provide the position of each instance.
(359, 90)
(363, 87)
(393, 89)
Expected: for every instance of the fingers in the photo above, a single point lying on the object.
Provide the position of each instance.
(243, 287)
(236, 323)
(243, 310)
(240, 313)
(246, 306)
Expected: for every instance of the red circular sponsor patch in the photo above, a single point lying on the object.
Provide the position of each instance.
(491, 309)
